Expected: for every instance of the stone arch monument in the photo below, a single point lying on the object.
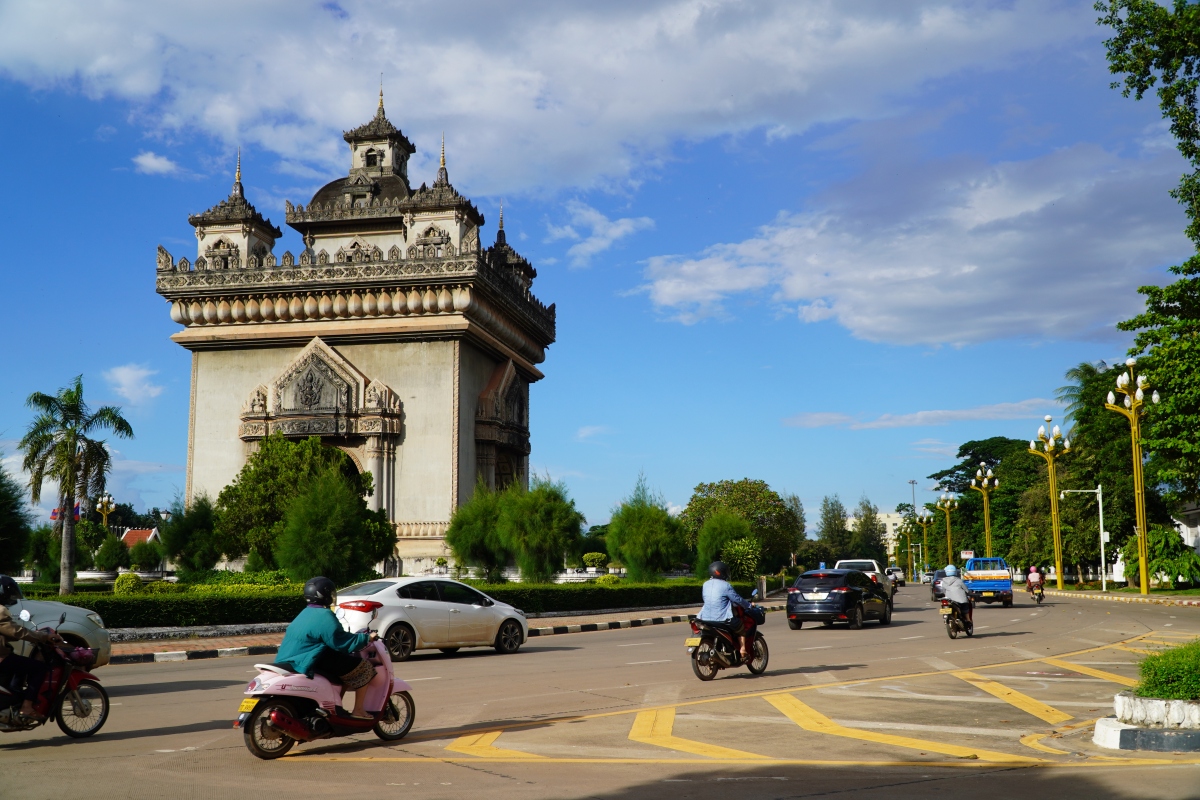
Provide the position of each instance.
(393, 336)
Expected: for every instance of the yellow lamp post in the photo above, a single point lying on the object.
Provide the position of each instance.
(924, 519)
(1050, 453)
(105, 506)
(984, 484)
(1134, 388)
(947, 503)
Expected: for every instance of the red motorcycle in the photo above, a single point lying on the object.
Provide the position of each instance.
(70, 695)
(715, 647)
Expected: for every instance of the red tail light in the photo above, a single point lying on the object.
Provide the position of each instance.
(945, 602)
(874, 577)
(695, 627)
(840, 589)
(366, 606)
(793, 590)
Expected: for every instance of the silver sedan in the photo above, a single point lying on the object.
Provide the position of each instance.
(79, 626)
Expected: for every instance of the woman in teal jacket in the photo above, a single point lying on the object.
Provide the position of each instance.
(316, 644)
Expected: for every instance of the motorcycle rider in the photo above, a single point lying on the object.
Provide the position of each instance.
(719, 600)
(316, 643)
(1034, 581)
(21, 675)
(955, 591)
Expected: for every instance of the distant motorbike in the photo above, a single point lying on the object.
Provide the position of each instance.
(285, 707)
(70, 695)
(714, 648)
(956, 623)
(1039, 593)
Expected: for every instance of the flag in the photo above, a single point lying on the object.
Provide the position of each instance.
(77, 512)
(54, 514)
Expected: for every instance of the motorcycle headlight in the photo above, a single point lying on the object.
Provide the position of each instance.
(96, 620)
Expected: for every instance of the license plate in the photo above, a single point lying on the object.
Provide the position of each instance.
(693, 642)
(947, 612)
(989, 594)
(815, 596)
(247, 705)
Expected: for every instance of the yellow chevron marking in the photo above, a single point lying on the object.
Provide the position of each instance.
(654, 727)
(1095, 673)
(1014, 698)
(481, 745)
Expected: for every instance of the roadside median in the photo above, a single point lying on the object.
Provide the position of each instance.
(1126, 598)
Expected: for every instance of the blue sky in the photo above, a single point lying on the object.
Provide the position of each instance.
(815, 243)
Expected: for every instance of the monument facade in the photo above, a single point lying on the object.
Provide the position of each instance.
(393, 336)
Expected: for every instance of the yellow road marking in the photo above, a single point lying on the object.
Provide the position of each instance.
(1143, 651)
(812, 720)
(1014, 698)
(1034, 740)
(481, 745)
(654, 727)
(1094, 761)
(1095, 673)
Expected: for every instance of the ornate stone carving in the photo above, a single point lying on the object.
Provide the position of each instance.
(165, 262)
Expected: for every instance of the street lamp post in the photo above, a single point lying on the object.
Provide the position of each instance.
(984, 484)
(1050, 453)
(1099, 492)
(924, 519)
(1134, 388)
(947, 503)
(105, 506)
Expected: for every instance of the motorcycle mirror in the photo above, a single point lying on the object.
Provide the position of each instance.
(62, 618)
(25, 615)
(754, 594)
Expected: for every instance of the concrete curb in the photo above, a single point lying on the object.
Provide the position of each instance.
(116, 635)
(231, 652)
(1158, 601)
(1116, 735)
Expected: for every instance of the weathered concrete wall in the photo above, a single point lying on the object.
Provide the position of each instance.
(475, 369)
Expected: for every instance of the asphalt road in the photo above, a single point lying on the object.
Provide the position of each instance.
(898, 711)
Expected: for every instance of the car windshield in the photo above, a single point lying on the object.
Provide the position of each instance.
(364, 589)
(818, 580)
(865, 566)
(987, 564)
(939, 574)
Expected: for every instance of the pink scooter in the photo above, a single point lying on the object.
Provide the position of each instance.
(286, 707)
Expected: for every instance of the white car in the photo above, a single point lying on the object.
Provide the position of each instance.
(873, 571)
(80, 627)
(427, 613)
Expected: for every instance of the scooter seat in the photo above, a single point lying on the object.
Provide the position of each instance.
(278, 670)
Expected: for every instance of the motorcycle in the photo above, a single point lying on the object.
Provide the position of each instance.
(955, 622)
(715, 648)
(284, 707)
(1039, 593)
(69, 694)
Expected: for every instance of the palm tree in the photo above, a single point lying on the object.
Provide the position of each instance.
(1071, 395)
(58, 446)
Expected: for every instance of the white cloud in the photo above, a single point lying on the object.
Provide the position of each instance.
(132, 383)
(936, 447)
(1033, 407)
(590, 432)
(532, 96)
(148, 162)
(953, 251)
(604, 233)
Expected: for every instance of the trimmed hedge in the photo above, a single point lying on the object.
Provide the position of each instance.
(539, 598)
(1172, 675)
(171, 610)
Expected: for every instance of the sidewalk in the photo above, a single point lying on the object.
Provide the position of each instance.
(1121, 597)
(192, 649)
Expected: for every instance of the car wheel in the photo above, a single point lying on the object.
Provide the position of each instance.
(856, 618)
(508, 638)
(400, 641)
(1007, 603)
(795, 624)
(886, 619)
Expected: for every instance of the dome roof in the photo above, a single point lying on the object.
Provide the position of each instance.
(392, 187)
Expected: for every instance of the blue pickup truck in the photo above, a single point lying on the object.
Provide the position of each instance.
(988, 580)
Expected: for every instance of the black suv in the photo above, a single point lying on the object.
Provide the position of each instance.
(837, 595)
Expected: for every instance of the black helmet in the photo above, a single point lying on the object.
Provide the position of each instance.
(319, 590)
(9, 593)
(717, 569)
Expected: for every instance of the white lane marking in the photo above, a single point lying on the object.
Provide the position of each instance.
(822, 647)
(164, 751)
(1018, 619)
(1168, 624)
(902, 638)
(659, 661)
(414, 680)
(938, 663)
(817, 678)
(982, 627)
(636, 644)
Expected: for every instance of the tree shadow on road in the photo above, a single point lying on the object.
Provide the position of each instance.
(116, 736)
(142, 689)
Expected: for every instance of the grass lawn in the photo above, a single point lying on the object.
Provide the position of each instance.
(1094, 586)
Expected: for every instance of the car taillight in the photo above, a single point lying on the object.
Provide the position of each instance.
(793, 590)
(839, 589)
(366, 606)
(874, 577)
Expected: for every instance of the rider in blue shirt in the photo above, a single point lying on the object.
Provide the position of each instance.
(719, 600)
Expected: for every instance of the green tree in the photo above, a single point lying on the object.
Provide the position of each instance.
(643, 534)
(15, 524)
(88, 537)
(773, 521)
(112, 554)
(1171, 561)
(147, 555)
(58, 445)
(541, 527)
(834, 532)
(721, 528)
(44, 553)
(474, 534)
(866, 536)
(189, 537)
(329, 531)
(251, 510)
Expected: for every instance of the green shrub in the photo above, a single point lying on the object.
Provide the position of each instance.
(537, 598)
(126, 584)
(719, 529)
(188, 536)
(644, 535)
(1172, 675)
(112, 554)
(540, 527)
(594, 560)
(742, 556)
(228, 577)
(163, 587)
(607, 580)
(147, 555)
(170, 610)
